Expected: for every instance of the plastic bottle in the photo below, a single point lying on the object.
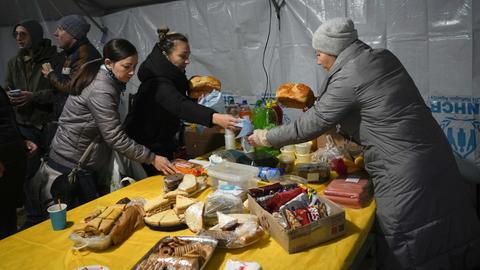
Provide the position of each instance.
(259, 115)
(232, 108)
(245, 111)
(271, 117)
(279, 112)
(229, 139)
(270, 174)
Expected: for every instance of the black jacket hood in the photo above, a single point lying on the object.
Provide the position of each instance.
(157, 66)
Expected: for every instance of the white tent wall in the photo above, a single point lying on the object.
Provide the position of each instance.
(437, 41)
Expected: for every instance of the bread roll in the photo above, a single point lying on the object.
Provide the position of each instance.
(295, 95)
(202, 85)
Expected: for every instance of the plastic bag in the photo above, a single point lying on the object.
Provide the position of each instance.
(331, 151)
(96, 243)
(222, 202)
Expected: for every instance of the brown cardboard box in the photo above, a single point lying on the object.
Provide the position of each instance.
(306, 236)
(198, 144)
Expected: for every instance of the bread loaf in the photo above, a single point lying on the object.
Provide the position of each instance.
(131, 219)
(295, 95)
(202, 85)
(194, 217)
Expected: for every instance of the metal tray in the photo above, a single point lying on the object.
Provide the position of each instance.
(200, 239)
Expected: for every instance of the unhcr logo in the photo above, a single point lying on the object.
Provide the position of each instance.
(457, 117)
(461, 134)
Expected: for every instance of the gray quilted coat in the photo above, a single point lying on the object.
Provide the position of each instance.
(94, 112)
(425, 217)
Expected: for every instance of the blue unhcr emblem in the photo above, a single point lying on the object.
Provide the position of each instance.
(461, 134)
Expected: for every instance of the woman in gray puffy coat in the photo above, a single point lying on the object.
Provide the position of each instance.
(91, 112)
(425, 218)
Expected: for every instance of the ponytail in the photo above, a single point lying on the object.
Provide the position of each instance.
(115, 50)
(85, 76)
(166, 39)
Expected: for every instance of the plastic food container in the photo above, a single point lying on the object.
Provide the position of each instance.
(303, 148)
(286, 162)
(234, 174)
(288, 150)
(304, 158)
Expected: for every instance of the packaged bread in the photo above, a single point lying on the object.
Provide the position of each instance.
(107, 225)
(131, 219)
(187, 167)
(203, 85)
(194, 216)
(295, 95)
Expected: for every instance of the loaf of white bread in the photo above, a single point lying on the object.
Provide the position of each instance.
(295, 95)
(203, 85)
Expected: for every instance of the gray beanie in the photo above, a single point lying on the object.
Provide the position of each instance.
(75, 25)
(334, 35)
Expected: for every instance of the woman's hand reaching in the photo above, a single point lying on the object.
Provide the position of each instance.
(225, 120)
(162, 164)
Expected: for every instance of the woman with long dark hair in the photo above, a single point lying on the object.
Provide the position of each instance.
(91, 113)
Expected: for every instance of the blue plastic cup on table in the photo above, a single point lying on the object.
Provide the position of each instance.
(58, 216)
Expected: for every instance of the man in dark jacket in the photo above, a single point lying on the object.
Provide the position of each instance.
(13, 154)
(71, 36)
(34, 104)
(425, 218)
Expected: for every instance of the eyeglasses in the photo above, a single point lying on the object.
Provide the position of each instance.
(20, 34)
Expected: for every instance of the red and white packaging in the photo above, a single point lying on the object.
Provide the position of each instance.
(349, 192)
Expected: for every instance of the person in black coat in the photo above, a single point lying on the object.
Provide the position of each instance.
(13, 162)
(162, 99)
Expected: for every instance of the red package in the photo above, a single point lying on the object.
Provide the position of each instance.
(187, 167)
(302, 216)
(349, 188)
(279, 199)
(356, 203)
(350, 192)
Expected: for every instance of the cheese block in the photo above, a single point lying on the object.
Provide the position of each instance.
(172, 195)
(155, 205)
(165, 218)
(188, 184)
(194, 216)
(182, 203)
(226, 222)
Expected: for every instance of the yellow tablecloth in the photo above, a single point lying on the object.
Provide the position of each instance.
(40, 247)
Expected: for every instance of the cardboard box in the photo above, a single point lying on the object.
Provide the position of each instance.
(307, 236)
(199, 144)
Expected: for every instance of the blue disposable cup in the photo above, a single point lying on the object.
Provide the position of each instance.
(58, 216)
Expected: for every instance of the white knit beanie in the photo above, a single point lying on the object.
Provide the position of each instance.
(334, 35)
